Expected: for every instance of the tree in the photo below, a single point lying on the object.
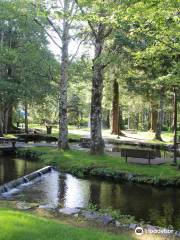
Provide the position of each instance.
(60, 15)
(115, 108)
(97, 15)
(26, 70)
(63, 124)
(155, 59)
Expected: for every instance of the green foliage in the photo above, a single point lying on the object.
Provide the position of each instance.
(155, 26)
(142, 53)
(28, 68)
(117, 215)
(114, 213)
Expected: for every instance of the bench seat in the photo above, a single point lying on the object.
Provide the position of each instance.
(138, 153)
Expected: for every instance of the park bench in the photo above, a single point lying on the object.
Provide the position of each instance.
(4, 140)
(138, 153)
(85, 142)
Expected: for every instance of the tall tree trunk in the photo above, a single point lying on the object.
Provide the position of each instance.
(121, 123)
(115, 108)
(154, 117)
(26, 116)
(175, 126)
(10, 119)
(143, 121)
(136, 121)
(1, 123)
(116, 111)
(160, 116)
(63, 122)
(172, 117)
(5, 119)
(149, 120)
(97, 143)
(108, 119)
(100, 32)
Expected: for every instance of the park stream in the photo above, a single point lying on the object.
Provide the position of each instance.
(157, 206)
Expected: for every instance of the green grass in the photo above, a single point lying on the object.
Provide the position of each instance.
(9, 136)
(70, 135)
(75, 159)
(16, 225)
(55, 131)
(148, 136)
(154, 141)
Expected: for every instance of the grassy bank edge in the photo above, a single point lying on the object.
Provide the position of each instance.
(82, 164)
(28, 226)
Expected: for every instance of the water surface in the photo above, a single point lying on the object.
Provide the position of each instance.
(12, 168)
(158, 206)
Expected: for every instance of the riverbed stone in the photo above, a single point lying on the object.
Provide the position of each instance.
(69, 211)
(26, 205)
(130, 176)
(47, 206)
(76, 215)
(90, 215)
(105, 219)
(117, 223)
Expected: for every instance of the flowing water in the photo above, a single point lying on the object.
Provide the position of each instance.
(159, 206)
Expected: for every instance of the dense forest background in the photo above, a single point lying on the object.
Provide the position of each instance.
(110, 64)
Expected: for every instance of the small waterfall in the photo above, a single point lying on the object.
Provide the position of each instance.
(40, 174)
(15, 184)
(26, 180)
(6, 189)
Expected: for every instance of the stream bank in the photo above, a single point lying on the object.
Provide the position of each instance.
(123, 173)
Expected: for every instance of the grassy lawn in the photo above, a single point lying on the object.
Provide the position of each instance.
(9, 136)
(77, 133)
(16, 225)
(75, 159)
(70, 135)
(148, 136)
(55, 130)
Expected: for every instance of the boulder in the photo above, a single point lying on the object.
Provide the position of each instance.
(69, 211)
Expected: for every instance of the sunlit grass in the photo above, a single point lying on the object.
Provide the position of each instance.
(9, 136)
(75, 132)
(75, 159)
(55, 130)
(23, 226)
(167, 137)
